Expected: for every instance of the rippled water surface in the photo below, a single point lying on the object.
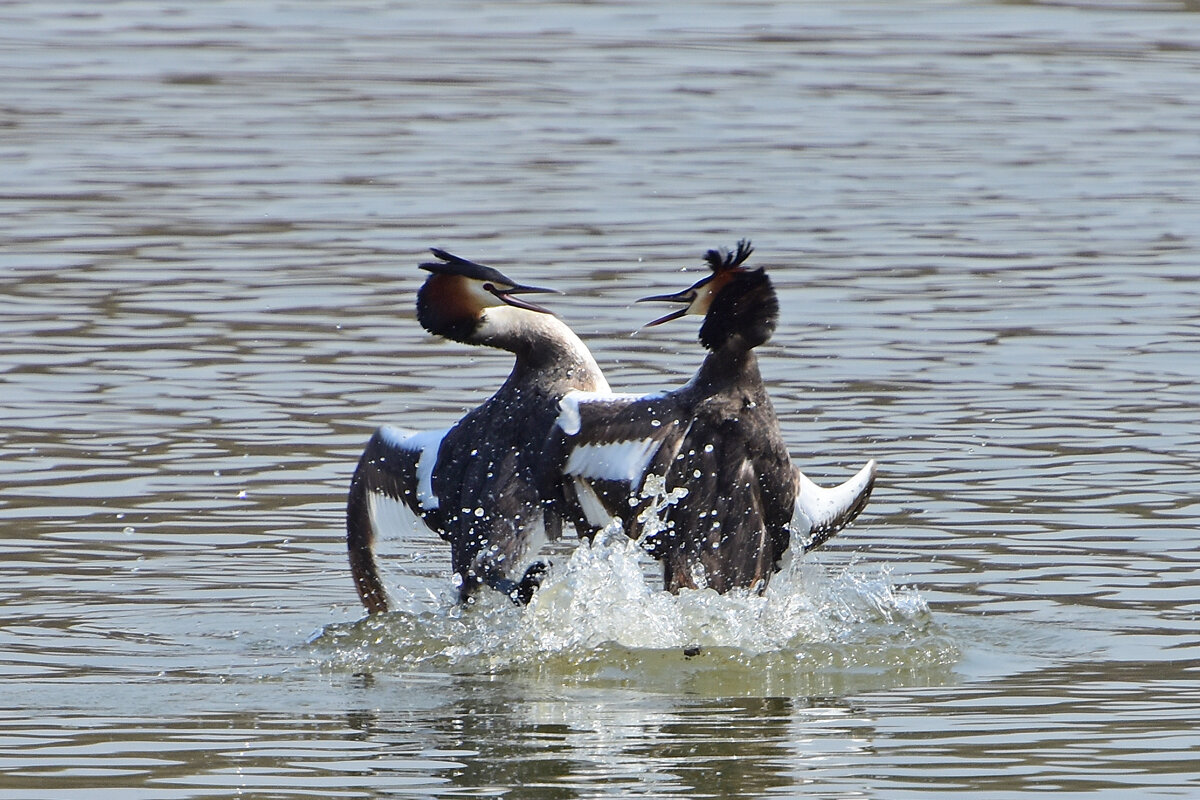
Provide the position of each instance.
(983, 222)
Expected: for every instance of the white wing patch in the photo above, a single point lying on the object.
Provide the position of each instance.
(593, 509)
(536, 539)
(400, 437)
(568, 408)
(393, 519)
(427, 443)
(817, 507)
(612, 461)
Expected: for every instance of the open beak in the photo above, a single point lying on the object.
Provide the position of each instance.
(507, 296)
(687, 297)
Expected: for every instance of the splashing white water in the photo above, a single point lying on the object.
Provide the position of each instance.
(602, 603)
(601, 596)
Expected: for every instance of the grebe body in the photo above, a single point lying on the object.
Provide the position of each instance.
(476, 483)
(714, 444)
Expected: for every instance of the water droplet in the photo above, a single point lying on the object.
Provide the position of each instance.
(479, 512)
(708, 448)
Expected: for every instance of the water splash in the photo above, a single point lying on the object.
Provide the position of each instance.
(599, 617)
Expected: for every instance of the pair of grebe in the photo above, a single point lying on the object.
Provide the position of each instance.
(555, 445)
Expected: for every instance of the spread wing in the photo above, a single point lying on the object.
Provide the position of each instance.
(600, 450)
(820, 513)
(734, 519)
(392, 488)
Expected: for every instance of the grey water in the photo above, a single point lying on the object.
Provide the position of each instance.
(983, 219)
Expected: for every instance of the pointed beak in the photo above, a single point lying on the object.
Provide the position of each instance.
(687, 296)
(507, 296)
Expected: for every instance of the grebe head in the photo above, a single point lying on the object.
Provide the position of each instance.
(735, 301)
(454, 298)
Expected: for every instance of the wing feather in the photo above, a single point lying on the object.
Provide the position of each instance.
(821, 513)
(397, 464)
(600, 450)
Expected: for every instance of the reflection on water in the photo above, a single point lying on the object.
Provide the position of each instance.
(619, 743)
(981, 221)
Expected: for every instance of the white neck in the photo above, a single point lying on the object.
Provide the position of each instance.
(543, 340)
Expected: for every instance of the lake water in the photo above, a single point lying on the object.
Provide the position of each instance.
(984, 222)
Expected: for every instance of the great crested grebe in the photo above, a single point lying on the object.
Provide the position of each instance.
(716, 438)
(476, 483)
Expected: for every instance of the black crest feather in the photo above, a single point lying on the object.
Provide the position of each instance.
(723, 260)
(451, 264)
